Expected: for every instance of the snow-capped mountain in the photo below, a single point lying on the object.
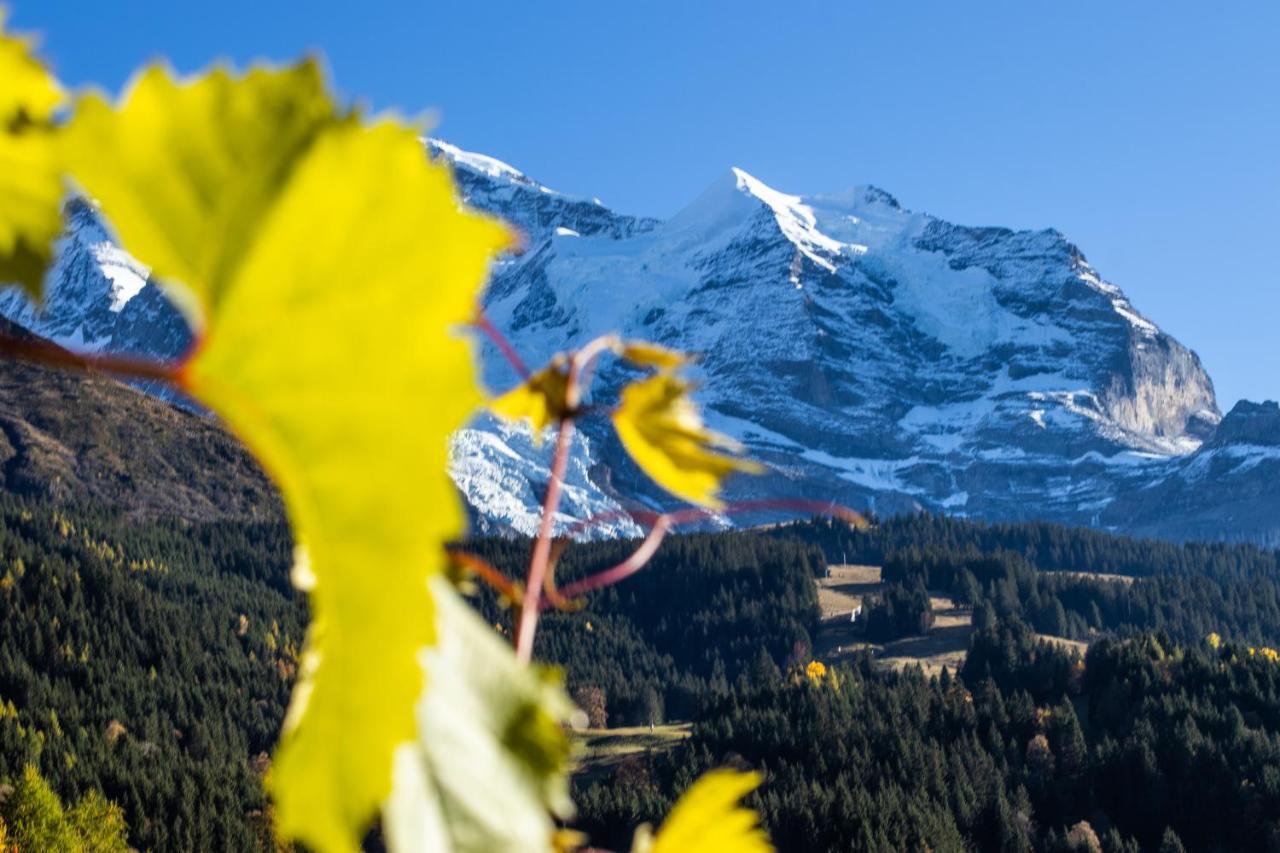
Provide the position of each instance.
(869, 355)
(98, 298)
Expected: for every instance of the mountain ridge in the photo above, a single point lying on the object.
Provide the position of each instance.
(868, 354)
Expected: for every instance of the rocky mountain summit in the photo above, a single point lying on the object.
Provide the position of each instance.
(1228, 489)
(869, 355)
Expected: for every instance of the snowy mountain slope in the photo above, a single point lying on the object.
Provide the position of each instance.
(868, 354)
(98, 298)
(877, 356)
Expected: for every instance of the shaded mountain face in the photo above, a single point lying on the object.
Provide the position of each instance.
(71, 437)
(1229, 489)
(870, 355)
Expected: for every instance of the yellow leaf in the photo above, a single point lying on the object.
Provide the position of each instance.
(540, 398)
(28, 92)
(30, 180)
(332, 263)
(662, 431)
(337, 364)
(653, 355)
(30, 207)
(709, 818)
(187, 170)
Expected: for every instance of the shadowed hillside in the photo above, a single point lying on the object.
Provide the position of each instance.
(75, 437)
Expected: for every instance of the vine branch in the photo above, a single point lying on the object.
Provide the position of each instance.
(540, 560)
(580, 363)
(42, 352)
(484, 570)
(665, 522)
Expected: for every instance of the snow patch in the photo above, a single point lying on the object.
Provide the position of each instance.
(502, 471)
(127, 275)
(485, 165)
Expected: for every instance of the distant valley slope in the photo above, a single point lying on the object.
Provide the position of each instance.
(868, 354)
(73, 438)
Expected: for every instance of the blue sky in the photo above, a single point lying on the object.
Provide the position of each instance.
(1148, 132)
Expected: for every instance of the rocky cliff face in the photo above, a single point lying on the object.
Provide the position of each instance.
(870, 355)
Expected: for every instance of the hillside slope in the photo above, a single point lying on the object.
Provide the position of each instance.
(72, 437)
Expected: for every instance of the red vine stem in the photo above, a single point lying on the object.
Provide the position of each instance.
(482, 569)
(686, 516)
(628, 567)
(663, 523)
(540, 560)
(41, 352)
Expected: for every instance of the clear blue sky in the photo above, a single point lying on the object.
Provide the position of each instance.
(1148, 132)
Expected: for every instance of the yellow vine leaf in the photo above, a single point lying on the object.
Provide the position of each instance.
(28, 92)
(661, 429)
(708, 818)
(30, 173)
(653, 355)
(189, 169)
(351, 408)
(540, 398)
(332, 263)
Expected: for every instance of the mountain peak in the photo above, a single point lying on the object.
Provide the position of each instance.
(735, 201)
(1250, 423)
(482, 164)
(537, 210)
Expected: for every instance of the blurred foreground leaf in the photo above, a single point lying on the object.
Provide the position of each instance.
(488, 771)
(30, 172)
(189, 170)
(709, 818)
(329, 264)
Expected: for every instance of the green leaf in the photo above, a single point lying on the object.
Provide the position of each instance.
(488, 771)
(351, 411)
(188, 170)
